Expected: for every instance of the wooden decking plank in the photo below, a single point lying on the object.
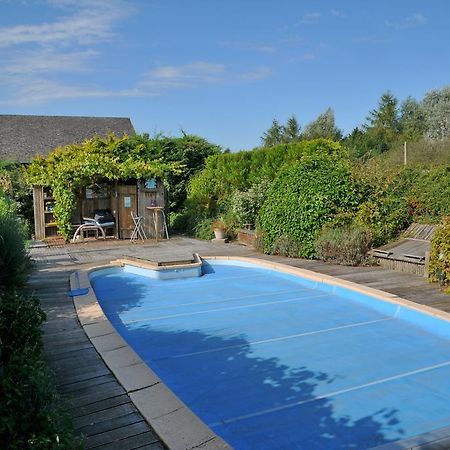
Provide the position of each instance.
(60, 352)
(69, 376)
(88, 386)
(60, 325)
(86, 356)
(104, 415)
(155, 446)
(114, 435)
(66, 336)
(76, 400)
(101, 405)
(140, 441)
(109, 425)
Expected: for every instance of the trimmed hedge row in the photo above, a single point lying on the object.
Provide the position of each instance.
(210, 190)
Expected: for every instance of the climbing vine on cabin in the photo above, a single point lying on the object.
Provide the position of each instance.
(67, 170)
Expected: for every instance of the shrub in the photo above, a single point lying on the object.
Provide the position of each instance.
(285, 245)
(344, 245)
(245, 205)
(203, 229)
(14, 185)
(439, 268)
(304, 197)
(397, 196)
(30, 413)
(14, 262)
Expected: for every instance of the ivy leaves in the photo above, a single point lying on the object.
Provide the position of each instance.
(305, 196)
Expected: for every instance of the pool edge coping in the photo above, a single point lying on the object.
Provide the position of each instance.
(176, 425)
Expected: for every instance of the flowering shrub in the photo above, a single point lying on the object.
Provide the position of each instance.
(245, 205)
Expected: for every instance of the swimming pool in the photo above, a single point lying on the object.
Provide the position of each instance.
(271, 360)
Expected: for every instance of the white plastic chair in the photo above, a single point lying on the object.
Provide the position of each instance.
(138, 231)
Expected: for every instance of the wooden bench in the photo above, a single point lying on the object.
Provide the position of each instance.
(409, 254)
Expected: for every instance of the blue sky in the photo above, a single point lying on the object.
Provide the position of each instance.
(220, 69)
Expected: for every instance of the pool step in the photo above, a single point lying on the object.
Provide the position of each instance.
(162, 269)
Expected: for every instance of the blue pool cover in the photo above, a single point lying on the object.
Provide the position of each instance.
(273, 361)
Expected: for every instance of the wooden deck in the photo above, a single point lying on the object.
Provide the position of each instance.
(101, 409)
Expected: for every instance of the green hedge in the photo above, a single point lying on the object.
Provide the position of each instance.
(30, 414)
(210, 190)
(14, 263)
(305, 196)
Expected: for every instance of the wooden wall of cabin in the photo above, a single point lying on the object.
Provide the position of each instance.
(38, 209)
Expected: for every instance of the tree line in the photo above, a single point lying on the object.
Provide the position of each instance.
(387, 124)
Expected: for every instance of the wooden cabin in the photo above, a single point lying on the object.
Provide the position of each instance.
(24, 137)
(120, 198)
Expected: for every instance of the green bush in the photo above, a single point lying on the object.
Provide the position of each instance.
(203, 229)
(13, 183)
(439, 268)
(14, 262)
(245, 205)
(30, 414)
(304, 197)
(285, 245)
(346, 245)
(210, 190)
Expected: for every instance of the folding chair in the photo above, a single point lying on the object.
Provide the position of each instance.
(138, 231)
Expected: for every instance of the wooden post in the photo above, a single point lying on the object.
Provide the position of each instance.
(404, 153)
(427, 264)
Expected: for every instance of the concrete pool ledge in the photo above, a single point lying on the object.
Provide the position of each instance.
(176, 425)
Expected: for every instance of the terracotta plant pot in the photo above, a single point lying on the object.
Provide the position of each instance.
(219, 233)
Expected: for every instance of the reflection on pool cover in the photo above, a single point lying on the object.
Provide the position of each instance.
(269, 360)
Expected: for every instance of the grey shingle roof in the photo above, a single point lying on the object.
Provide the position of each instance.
(23, 137)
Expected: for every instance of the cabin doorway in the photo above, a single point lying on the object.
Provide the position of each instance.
(127, 197)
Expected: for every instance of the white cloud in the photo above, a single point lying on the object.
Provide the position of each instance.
(184, 75)
(49, 60)
(198, 73)
(410, 21)
(37, 90)
(39, 59)
(311, 17)
(371, 39)
(308, 56)
(250, 46)
(35, 54)
(40, 90)
(89, 21)
(338, 13)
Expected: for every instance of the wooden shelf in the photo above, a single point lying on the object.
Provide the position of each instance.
(48, 212)
(50, 224)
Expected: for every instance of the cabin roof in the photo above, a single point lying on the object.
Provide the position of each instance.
(22, 137)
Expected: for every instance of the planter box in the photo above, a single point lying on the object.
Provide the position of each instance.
(247, 237)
